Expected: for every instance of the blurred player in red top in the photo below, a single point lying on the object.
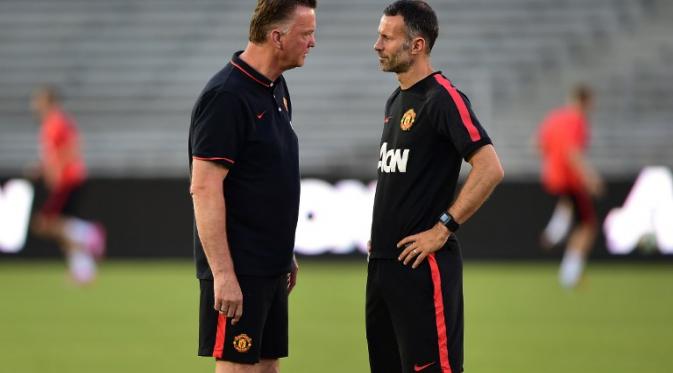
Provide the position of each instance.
(566, 173)
(63, 172)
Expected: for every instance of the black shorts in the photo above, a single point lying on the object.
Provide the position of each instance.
(262, 331)
(63, 200)
(414, 317)
(583, 206)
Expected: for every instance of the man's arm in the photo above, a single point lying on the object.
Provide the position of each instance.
(486, 173)
(210, 212)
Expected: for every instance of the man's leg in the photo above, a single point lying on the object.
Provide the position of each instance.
(559, 224)
(264, 366)
(428, 313)
(269, 366)
(50, 227)
(384, 354)
(55, 222)
(576, 253)
(81, 264)
(580, 243)
(255, 343)
(85, 234)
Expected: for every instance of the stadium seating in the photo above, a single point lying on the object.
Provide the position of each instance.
(130, 71)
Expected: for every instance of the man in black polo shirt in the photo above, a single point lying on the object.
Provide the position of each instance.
(414, 310)
(245, 188)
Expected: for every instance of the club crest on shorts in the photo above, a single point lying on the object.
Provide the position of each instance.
(408, 120)
(242, 343)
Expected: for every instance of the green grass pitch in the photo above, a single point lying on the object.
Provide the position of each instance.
(142, 317)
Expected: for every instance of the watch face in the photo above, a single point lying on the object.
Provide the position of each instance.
(448, 222)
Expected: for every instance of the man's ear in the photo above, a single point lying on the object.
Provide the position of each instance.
(275, 38)
(417, 45)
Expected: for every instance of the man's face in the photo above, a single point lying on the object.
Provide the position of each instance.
(298, 38)
(39, 102)
(392, 45)
(588, 104)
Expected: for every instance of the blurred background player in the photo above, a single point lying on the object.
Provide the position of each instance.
(63, 173)
(567, 174)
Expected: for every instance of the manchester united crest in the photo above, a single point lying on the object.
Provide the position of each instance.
(242, 343)
(408, 120)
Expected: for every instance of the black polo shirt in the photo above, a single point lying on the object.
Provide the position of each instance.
(242, 120)
(428, 130)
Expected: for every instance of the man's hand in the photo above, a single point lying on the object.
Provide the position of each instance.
(421, 245)
(228, 297)
(590, 177)
(595, 185)
(292, 276)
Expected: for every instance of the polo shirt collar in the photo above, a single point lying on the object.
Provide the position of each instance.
(251, 73)
(423, 83)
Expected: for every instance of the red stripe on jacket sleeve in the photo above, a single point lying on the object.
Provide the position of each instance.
(214, 159)
(462, 108)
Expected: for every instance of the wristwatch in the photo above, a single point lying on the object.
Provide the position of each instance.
(448, 221)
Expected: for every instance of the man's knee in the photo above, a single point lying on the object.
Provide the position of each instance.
(590, 226)
(264, 366)
(229, 367)
(269, 366)
(39, 225)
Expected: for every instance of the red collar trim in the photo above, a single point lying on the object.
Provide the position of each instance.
(250, 75)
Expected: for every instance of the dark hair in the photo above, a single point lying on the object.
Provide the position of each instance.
(271, 12)
(582, 93)
(50, 92)
(419, 18)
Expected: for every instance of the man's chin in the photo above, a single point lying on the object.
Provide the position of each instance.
(293, 65)
(299, 63)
